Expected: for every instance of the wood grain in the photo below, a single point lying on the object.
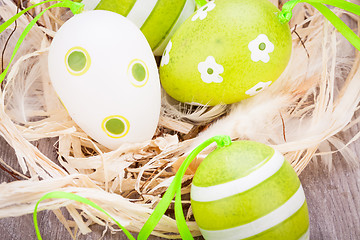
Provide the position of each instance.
(333, 198)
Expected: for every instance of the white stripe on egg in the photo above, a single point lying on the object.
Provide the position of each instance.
(216, 192)
(261, 224)
(188, 9)
(141, 11)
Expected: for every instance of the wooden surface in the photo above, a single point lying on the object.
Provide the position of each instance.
(333, 199)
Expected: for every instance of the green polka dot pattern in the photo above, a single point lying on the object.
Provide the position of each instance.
(77, 61)
(115, 126)
(139, 72)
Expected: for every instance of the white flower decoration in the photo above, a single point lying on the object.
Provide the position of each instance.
(260, 48)
(166, 55)
(258, 88)
(202, 12)
(210, 70)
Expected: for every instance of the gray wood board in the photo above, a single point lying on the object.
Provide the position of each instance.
(333, 198)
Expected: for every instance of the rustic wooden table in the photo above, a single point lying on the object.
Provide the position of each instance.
(333, 198)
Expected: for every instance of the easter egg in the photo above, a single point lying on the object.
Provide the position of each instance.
(104, 72)
(247, 190)
(227, 51)
(157, 19)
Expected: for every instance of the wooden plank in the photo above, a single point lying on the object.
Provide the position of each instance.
(333, 199)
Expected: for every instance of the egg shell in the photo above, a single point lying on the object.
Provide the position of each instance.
(227, 51)
(247, 190)
(157, 19)
(104, 72)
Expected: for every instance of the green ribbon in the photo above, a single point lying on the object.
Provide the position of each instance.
(75, 7)
(286, 14)
(71, 196)
(173, 190)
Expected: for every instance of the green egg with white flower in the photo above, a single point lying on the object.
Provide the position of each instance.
(247, 190)
(157, 19)
(227, 51)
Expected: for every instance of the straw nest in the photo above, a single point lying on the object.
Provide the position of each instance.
(301, 115)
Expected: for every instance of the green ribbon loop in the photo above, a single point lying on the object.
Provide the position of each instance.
(75, 7)
(71, 196)
(175, 188)
(286, 14)
(201, 3)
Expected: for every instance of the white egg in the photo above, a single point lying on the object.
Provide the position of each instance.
(104, 72)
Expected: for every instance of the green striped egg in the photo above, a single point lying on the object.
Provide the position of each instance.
(157, 19)
(247, 190)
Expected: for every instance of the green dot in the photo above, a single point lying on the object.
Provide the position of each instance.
(139, 72)
(262, 46)
(77, 61)
(210, 71)
(258, 89)
(204, 9)
(115, 126)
